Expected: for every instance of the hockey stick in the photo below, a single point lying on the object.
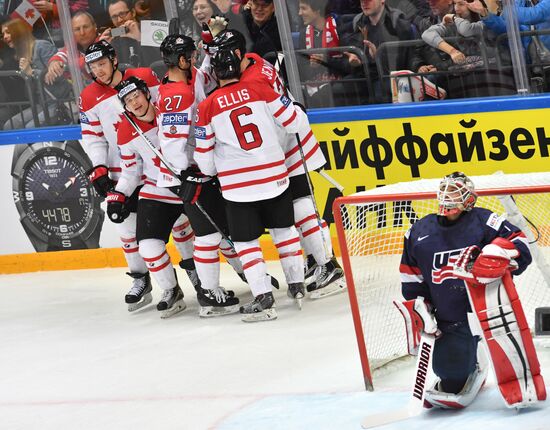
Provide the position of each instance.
(173, 172)
(310, 185)
(330, 179)
(416, 402)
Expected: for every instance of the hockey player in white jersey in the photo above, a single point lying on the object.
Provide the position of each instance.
(180, 91)
(237, 140)
(100, 111)
(328, 276)
(158, 208)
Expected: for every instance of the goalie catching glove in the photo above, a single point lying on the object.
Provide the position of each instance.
(483, 266)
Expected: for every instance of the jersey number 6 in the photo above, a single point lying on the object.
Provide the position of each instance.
(241, 130)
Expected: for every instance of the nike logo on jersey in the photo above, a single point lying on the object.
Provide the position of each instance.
(134, 133)
(100, 97)
(422, 237)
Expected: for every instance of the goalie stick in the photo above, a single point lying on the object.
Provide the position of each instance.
(173, 172)
(416, 401)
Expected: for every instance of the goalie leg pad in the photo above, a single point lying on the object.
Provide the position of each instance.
(508, 341)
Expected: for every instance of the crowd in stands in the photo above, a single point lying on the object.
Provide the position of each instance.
(349, 52)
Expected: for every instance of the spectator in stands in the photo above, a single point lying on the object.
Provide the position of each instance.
(85, 33)
(378, 24)
(463, 23)
(125, 35)
(32, 56)
(203, 10)
(532, 14)
(321, 69)
(262, 26)
(232, 11)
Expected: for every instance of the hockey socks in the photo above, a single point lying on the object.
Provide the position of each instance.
(127, 233)
(183, 237)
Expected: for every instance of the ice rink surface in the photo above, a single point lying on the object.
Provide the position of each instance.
(72, 357)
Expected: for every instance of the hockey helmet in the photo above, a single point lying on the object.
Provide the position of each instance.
(226, 64)
(175, 46)
(228, 39)
(130, 85)
(456, 194)
(98, 50)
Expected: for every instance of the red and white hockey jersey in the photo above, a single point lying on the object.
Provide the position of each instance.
(261, 70)
(100, 110)
(139, 161)
(177, 105)
(237, 139)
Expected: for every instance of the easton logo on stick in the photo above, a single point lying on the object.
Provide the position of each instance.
(422, 370)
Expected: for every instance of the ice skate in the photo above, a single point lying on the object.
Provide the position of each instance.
(262, 308)
(329, 280)
(140, 293)
(217, 302)
(171, 302)
(296, 292)
(274, 282)
(309, 266)
(189, 267)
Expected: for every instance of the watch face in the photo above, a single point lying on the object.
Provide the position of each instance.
(55, 193)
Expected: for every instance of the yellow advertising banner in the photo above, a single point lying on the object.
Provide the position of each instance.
(367, 154)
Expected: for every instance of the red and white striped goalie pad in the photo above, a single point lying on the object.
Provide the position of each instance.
(509, 342)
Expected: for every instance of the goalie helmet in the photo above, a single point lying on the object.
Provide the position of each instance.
(130, 85)
(456, 194)
(175, 46)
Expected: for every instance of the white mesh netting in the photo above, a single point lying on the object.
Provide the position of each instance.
(375, 222)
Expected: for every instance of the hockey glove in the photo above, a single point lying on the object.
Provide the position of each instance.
(191, 185)
(116, 207)
(462, 268)
(215, 25)
(418, 318)
(99, 177)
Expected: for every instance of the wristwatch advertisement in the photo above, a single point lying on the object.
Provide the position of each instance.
(58, 207)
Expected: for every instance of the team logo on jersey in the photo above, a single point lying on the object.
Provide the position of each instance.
(173, 129)
(200, 132)
(285, 100)
(83, 118)
(174, 119)
(443, 262)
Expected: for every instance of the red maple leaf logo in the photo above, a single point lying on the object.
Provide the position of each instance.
(29, 13)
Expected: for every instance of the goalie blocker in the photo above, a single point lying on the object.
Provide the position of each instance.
(495, 302)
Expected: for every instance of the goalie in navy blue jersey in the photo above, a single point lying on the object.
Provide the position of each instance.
(434, 247)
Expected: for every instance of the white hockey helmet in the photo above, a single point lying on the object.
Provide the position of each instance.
(456, 194)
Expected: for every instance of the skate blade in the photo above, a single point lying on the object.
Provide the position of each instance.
(213, 311)
(298, 301)
(177, 307)
(265, 315)
(333, 288)
(145, 300)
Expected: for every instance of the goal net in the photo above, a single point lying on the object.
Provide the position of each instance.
(371, 226)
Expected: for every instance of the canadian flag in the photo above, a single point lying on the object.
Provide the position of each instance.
(27, 12)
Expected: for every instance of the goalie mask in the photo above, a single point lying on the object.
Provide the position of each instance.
(456, 194)
(175, 46)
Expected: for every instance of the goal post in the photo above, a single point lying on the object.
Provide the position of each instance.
(371, 226)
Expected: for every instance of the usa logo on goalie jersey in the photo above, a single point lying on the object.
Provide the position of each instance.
(431, 247)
